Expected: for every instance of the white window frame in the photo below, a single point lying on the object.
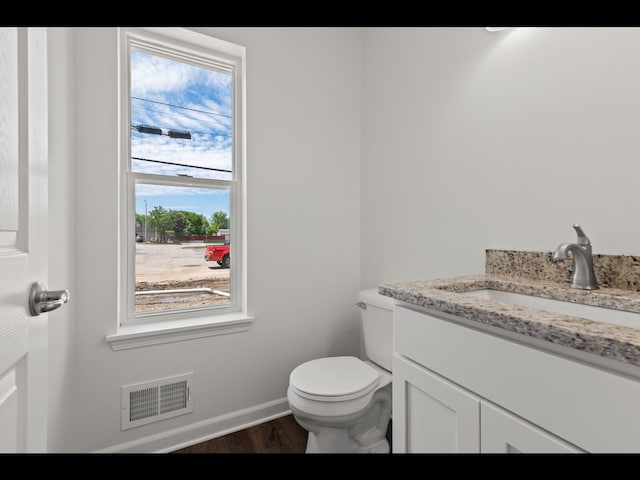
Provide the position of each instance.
(152, 328)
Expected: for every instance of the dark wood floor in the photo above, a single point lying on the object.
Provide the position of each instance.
(282, 435)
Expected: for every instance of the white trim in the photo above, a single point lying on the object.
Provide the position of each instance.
(152, 179)
(190, 41)
(144, 335)
(205, 51)
(194, 433)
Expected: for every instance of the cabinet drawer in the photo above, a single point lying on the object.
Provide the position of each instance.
(589, 407)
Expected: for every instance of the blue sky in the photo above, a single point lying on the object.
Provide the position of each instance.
(168, 94)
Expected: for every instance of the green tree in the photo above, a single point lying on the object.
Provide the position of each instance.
(196, 223)
(218, 220)
(177, 222)
(140, 220)
(158, 219)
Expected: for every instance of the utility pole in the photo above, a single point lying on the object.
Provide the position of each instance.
(145, 222)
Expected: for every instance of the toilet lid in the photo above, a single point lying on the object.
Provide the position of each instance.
(333, 377)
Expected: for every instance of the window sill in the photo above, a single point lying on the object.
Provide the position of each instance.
(135, 336)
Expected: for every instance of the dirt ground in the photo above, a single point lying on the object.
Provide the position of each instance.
(171, 267)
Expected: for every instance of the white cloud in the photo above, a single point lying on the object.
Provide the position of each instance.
(176, 95)
(209, 153)
(152, 75)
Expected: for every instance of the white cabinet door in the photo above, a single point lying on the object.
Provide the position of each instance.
(430, 414)
(503, 432)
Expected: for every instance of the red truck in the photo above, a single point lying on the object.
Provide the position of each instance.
(219, 253)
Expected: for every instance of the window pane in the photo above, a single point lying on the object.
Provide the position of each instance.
(175, 228)
(181, 118)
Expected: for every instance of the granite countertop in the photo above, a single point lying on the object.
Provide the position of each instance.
(599, 338)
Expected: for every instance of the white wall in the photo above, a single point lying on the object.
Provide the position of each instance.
(470, 140)
(475, 140)
(304, 117)
(62, 241)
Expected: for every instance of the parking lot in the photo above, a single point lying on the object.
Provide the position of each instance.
(158, 262)
(175, 267)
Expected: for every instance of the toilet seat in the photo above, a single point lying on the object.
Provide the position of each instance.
(334, 379)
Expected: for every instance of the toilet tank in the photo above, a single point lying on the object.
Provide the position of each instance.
(377, 326)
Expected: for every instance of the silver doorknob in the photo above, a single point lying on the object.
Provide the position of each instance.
(41, 300)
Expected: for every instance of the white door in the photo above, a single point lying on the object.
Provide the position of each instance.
(23, 238)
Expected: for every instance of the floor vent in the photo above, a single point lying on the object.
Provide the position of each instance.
(156, 400)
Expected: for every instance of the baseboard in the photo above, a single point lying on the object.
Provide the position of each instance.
(188, 435)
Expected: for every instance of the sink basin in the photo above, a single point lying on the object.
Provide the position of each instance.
(597, 314)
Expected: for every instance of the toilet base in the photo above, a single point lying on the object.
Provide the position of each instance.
(365, 431)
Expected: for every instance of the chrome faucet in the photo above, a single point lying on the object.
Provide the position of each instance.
(583, 274)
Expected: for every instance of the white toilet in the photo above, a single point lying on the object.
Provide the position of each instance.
(344, 402)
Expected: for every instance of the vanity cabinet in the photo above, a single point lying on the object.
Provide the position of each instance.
(457, 388)
(433, 415)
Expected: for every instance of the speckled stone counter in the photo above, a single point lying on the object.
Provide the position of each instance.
(604, 339)
(613, 271)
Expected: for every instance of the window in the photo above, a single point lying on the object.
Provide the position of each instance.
(182, 203)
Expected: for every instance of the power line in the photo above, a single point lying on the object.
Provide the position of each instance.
(180, 164)
(184, 108)
(213, 134)
(177, 114)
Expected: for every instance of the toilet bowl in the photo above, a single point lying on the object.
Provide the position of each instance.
(345, 402)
